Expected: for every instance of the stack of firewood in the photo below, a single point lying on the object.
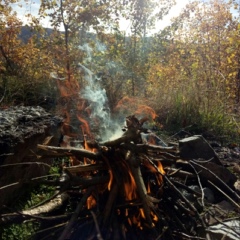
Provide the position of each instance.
(126, 189)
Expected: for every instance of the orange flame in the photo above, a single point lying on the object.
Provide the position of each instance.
(155, 217)
(142, 213)
(73, 161)
(83, 108)
(85, 127)
(68, 88)
(87, 147)
(154, 170)
(135, 106)
(130, 188)
(91, 202)
(151, 139)
(148, 188)
(69, 91)
(161, 170)
(136, 219)
(110, 180)
(66, 127)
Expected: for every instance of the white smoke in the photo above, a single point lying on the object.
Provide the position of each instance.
(88, 50)
(96, 95)
(101, 47)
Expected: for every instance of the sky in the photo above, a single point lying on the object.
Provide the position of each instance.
(32, 8)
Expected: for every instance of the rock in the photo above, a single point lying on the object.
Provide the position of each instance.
(211, 170)
(219, 211)
(225, 206)
(208, 193)
(236, 168)
(21, 129)
(237, 185)
(196, 147)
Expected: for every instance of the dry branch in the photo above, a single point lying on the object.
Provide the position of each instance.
(70, 152)
(234, 193)
(68, 227)
(48, 207)
(85, 168)
(141, 188)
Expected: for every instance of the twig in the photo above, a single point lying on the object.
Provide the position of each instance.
(48, 207)
(162, 233)
(16, 216)
(200, 184)
(111, 198)
(50, 228)
(141, 188)
(47, 200)
(85, 168)
(78, 181)
(71, 151)
(99, 235)
(74, 217)
(25, 163)
(26, 181)
(187, 236)
(6, 154)
(183, 197)
(233, 192)
(178, 172)
(224, 194)
(155, 148)
(179, 184)
(223, 223)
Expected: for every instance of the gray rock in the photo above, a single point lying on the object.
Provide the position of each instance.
(196, 147)
(208, 195)
(21, 130)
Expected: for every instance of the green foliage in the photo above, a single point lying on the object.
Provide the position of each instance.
(19, 231)
(195, 77)
(31, 198)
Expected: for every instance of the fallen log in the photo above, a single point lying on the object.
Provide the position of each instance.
(48, 207)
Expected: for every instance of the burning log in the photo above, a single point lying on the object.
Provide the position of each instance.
(128, 189)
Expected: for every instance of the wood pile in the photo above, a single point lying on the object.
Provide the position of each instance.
(129, 189)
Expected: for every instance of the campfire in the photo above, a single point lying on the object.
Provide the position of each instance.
(134, 186)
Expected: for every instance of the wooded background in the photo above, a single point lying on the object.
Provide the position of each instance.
(189, 72)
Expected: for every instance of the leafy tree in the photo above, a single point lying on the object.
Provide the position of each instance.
(197, 71)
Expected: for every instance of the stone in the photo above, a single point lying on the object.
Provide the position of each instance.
(208, 193)
(213, 170)
(197, 148)
(21, 130)
(237, 186)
